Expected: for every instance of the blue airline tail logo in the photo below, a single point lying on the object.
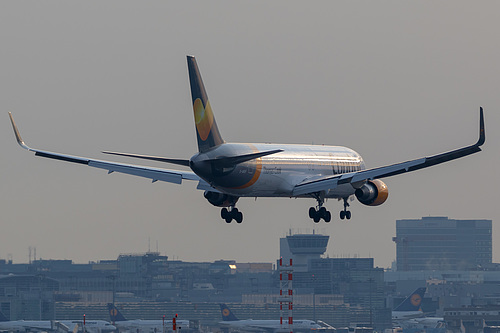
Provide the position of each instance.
(227, 314)
(114, 314)
(412, 302)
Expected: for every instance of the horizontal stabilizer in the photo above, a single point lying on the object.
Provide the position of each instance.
(233, 160)
(152, 158)
(222, 161)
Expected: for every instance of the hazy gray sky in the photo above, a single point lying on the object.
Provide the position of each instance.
(394, 80)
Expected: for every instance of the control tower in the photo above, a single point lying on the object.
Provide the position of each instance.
(302, 248)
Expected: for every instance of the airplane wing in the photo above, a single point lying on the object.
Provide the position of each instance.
(359, 177)
(155, 174)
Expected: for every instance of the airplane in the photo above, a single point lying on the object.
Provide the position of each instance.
(142, 326)
(94, 326)
(229, 320)
(409, 313)
(228, 171)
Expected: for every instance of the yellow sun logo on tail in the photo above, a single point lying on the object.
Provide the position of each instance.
(203, 117)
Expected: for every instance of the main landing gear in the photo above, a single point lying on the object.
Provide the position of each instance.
(321, 212)
(232, 214)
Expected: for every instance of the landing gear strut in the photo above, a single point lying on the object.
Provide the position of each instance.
(345, 214)
(321, 212)
(232, 214)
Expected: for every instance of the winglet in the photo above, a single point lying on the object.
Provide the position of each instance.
(16, 132)
(482, 135)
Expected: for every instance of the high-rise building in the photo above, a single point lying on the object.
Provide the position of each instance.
(440, 243)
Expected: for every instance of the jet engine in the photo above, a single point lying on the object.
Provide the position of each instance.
(220, 199)
(373, 193)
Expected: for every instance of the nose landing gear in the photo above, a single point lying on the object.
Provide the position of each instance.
(232, 214)
(345, 214)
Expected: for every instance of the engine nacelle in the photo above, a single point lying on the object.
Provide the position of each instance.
(373, 193)
(220, 199)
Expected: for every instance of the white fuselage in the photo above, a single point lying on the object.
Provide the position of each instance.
(407, 314)
(149, 326)
(415, 319)
(270, 325)
(47, 325)
(420, 323)
(25, 325)
(276, 175)
(90, 325)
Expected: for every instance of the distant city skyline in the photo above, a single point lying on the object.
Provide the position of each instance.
(290, 232)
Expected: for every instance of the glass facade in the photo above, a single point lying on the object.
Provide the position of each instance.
(440, 243)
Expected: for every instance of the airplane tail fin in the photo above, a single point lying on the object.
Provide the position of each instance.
(227, 314)
(207, 132)
(114, 314)
(412, 302)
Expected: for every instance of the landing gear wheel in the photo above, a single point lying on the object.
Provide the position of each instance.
(224, 213)
(327, 217)
(345, 214)
(322, 213)
(238, 217)
(230, 215)
(312, 212)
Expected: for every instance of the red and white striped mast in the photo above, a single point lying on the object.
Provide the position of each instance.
(286, 294)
